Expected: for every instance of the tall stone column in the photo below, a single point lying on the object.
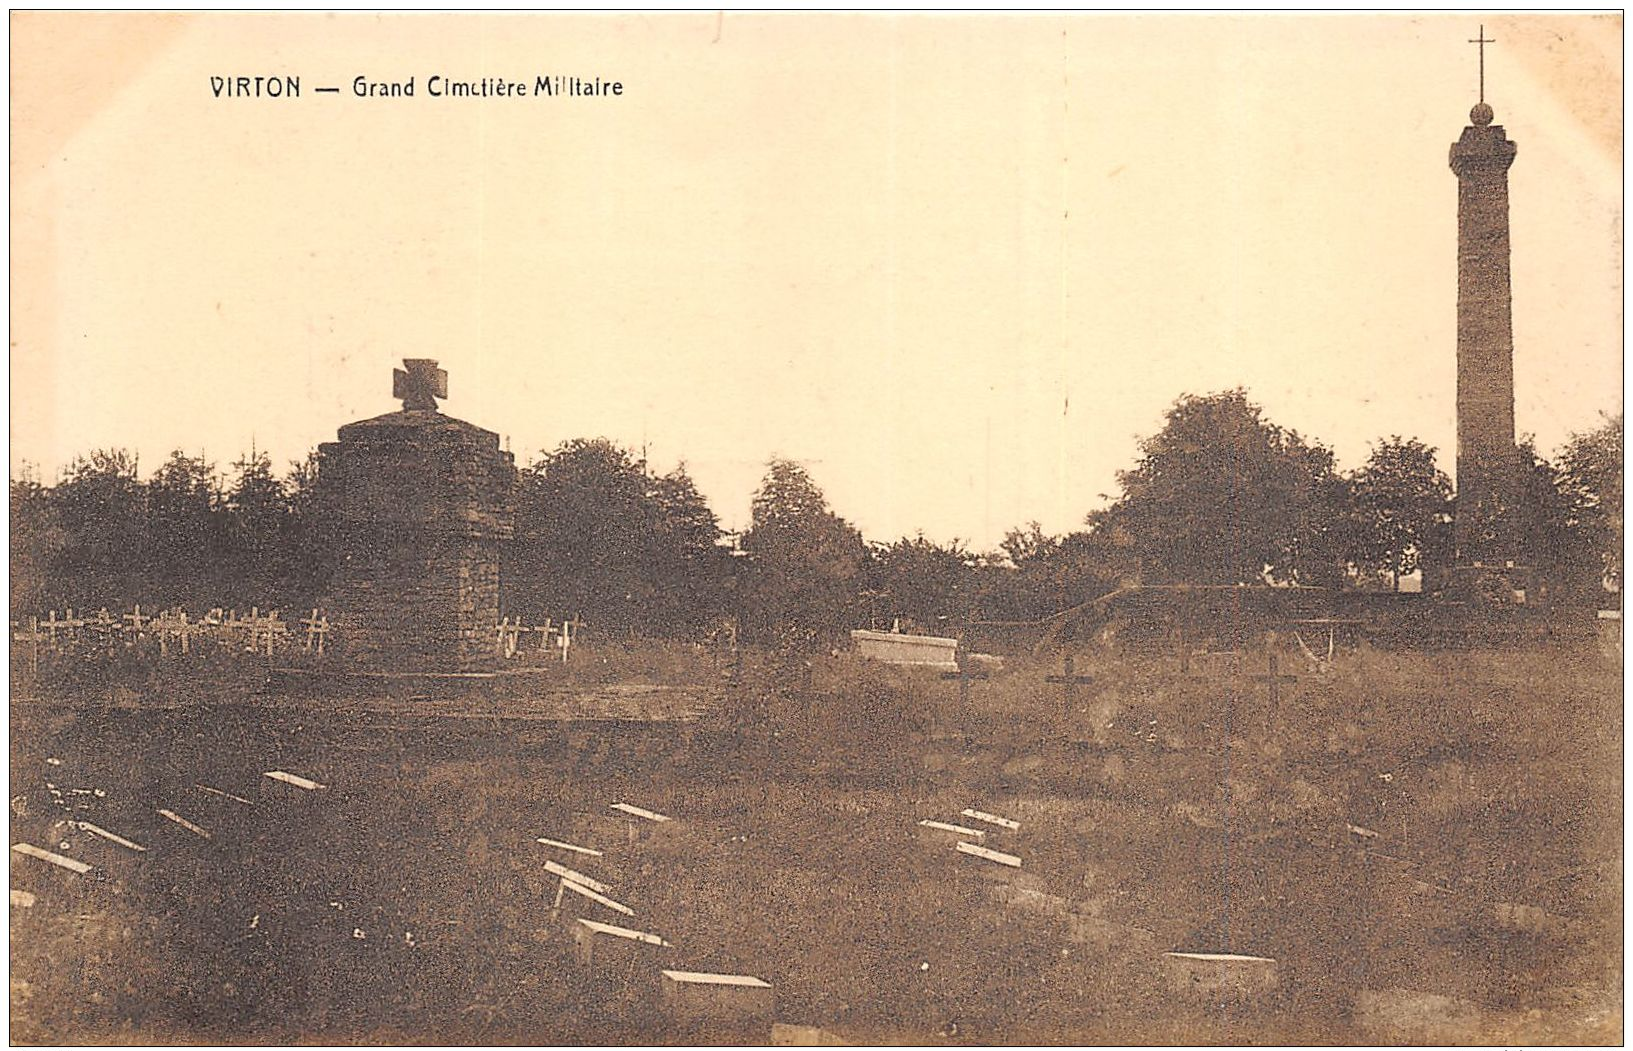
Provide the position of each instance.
(422, 503)
(1487, 462)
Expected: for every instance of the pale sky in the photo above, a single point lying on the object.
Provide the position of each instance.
(958, 265)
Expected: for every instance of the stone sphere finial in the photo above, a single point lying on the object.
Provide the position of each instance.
(1481, 114)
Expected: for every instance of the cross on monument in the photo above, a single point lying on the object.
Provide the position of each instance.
(1482, 41)
(419, 383)
(1069, 683)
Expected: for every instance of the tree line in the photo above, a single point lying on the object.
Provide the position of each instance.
(1221, 495)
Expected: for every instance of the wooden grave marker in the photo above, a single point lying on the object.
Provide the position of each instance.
(317, 630)
(1069, 681)
(967, 671)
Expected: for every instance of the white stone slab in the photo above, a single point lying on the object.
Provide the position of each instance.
(957, 830)
(171, 815)
(595, 896)
(568, 846)
(708, 978)
(991, 819)
(86, 826)
(575, 877)
(887, 647)
(1220, 957)
(219, 792)
(989, 855)
(615, 931)
(294, 779)
(58, 860)
(640, 812)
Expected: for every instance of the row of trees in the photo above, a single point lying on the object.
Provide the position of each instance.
(1220, 495)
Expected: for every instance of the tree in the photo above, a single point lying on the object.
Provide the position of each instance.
(923, 581)
(1223, 496)
(1402, 510)
(805, 565)
(596, 535)
(1034, 575)
(310, 539)
(183, 533)
(100, 506)
(257, 559)
(37, 539)
(686, 561)
(1588, 476)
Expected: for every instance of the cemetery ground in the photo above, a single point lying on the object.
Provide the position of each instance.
(1426, 844)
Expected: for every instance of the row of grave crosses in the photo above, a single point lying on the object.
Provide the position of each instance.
(257, 632)
(509, 634)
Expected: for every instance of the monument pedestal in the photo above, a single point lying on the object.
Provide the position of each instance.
(422, 503)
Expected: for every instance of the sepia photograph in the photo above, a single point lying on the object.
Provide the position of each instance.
(813, 529)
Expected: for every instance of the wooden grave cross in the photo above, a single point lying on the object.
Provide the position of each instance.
(52, 624)
(569, 629)
(967, 670)
(33, 637)
(172, 622)
(509, 635)
(545, 630)
(317, 628)
(259, 630)
(1275, 680)
(135, 619)
(1069, 682)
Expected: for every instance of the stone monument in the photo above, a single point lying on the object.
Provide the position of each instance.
(421, 504)
(1488, 555)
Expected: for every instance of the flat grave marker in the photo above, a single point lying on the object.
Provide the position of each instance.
(991, 819)
(996, 856)
(294, 779)
(939, 831)
(610, 951)
(568, 846)
(577, 877)
(102, 833)
(640, 812)
(595, 896)
(171, 815)
(1219, 973)
(73, 865)
(706, 997)
(219, 792)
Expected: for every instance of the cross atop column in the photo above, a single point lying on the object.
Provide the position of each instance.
(1482, 41)
(419, 383)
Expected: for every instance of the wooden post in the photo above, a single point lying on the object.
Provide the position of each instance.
(1069, 683)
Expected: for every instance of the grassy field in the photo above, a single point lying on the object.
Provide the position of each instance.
(1479, 901)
